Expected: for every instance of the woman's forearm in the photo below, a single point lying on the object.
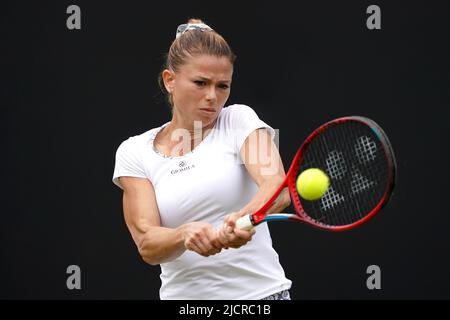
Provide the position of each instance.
(160, 245)
(265, 192)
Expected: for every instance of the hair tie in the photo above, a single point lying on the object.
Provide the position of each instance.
(182, 28)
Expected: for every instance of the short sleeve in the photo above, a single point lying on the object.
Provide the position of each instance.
(245, 121)
(128, 162)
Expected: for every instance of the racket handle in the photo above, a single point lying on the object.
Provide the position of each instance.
(245, 223)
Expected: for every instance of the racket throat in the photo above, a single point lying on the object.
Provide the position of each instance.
(273, 217)
(257, 218)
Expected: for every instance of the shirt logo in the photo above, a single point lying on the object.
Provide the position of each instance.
(183, 166)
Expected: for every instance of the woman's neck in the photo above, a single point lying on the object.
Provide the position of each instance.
(192, 130)
(179, 139)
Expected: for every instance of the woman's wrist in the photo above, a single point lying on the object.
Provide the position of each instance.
(180, 233)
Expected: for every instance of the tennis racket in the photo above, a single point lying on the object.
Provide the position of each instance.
(358, 158)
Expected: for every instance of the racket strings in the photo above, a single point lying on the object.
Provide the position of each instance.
(354, 158)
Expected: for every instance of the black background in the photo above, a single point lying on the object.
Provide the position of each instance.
(68, 98)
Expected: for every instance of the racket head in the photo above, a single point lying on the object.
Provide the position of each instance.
(357, 156)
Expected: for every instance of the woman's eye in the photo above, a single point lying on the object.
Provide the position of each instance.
(201, 83)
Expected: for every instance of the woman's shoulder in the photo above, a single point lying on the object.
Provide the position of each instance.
(237, 108)
(237, 113)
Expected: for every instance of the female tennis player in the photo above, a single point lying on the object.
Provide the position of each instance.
(186, 182)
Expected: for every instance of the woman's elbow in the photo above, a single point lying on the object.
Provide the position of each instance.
(146, 253)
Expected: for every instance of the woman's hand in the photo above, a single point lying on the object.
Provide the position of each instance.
(201, 237)
(232, 237)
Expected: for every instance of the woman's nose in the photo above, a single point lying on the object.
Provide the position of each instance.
(211, 93)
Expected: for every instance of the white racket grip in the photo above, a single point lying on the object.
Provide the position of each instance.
(244, 223)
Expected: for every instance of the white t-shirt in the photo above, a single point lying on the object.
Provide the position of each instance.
(205, 185)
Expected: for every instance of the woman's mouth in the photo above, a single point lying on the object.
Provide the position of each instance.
(208, 109)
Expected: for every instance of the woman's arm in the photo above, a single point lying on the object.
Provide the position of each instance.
(264, 164)
(157, 244)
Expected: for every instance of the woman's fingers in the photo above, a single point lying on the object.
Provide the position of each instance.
(201, 238)
(243, 234)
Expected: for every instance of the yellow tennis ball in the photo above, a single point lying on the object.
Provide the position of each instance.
(312, 184)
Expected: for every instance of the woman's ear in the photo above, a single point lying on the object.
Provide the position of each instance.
(169, 79)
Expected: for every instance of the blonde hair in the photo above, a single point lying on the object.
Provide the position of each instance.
(191, 43)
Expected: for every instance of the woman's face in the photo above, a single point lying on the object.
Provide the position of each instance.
(200, 89)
